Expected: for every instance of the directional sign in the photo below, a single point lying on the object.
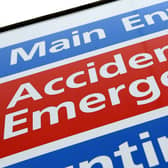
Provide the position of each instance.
(82, 39)
(93, 92)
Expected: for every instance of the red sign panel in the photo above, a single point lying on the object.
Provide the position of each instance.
(83, 95)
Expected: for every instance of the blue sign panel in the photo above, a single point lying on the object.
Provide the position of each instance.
(82, 39)
(141, 146)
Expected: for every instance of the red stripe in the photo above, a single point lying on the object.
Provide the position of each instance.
(83, 121)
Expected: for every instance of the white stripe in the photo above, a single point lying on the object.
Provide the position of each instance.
(82, 56)
(81, 137)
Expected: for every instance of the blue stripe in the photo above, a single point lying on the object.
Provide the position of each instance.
(106, 146)
(112, 26)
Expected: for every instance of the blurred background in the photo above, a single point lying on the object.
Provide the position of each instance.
(14, 11)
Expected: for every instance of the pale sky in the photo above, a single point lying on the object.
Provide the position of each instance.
(13, 11)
